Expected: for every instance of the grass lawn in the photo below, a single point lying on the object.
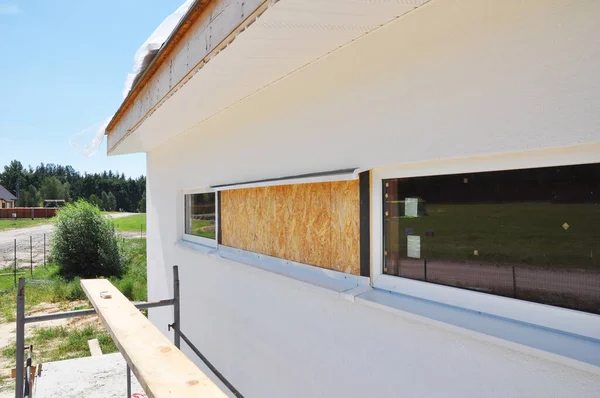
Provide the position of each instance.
(131, 223)
(58, 343)
(514, 233)
(22, 222)
(47, 286)
(203, 228)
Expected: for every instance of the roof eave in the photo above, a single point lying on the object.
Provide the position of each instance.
(184, 24)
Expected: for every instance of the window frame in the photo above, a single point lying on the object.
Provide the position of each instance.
(506, 307)
(213, 243)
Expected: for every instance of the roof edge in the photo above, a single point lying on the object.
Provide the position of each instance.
(192, 15)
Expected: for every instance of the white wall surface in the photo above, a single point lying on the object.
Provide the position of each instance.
(276, 338)
(451, 79)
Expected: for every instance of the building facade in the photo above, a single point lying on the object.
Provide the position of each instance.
(378, 198)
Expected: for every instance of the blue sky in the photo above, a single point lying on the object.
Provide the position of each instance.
(63, 65)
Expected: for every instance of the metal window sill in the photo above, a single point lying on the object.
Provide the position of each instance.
(197, 247)
(573, 350)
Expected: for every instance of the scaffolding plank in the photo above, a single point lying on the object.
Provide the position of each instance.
(95, 349)
(161, 369)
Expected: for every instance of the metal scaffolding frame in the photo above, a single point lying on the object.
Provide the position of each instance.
(23, 382)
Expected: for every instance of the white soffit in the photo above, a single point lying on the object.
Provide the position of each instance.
(288, 36)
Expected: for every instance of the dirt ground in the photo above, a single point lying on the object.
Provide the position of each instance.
(91, 377)
(30, 250)
(8, 336)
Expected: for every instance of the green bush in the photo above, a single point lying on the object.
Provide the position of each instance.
(126, 287)
(75, 290)
(85, 243)
(60, 291)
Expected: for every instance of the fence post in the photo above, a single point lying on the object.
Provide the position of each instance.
(425, 269)
(15, 269)
(20, 331)
(31, 255)
(514, 282)
(44, 250)
(176, 307)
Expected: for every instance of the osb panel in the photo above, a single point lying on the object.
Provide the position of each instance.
(345, 226)
(315, 224)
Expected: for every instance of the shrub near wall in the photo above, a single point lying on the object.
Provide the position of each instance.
(85, 243)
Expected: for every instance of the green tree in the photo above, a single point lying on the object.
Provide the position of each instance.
(127, 191)
(12, 174)
(84, 243)
(112, 202)
(105, 201)
(142, 203)
(29, 197)
(52, 188)
(95, 200)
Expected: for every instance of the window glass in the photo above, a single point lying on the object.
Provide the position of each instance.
(200, 215)
(532, 234)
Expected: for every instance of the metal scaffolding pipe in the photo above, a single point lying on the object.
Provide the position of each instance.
(207, 362)
(20, 348)
(77, 313)
(20, 391)
(176, 307)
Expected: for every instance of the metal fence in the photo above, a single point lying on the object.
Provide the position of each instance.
(22, 254)
(570, 288)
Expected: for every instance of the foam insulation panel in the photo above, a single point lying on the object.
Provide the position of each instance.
(316, 224)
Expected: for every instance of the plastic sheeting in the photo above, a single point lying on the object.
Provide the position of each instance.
(88, 140)
(148, 50)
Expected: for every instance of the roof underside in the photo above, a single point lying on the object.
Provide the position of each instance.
(289, 35)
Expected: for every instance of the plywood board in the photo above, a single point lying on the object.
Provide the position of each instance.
(345, 226)
(316, 224)
(161, 369)
(95, 349)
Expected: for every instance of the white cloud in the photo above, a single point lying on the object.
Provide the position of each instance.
(9, 9)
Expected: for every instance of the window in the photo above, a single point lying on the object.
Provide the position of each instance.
(200, 218)
(532, 234)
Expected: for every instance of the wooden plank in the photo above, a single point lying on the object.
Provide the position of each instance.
(13, 372)
(95, 349)
(161, 369)
(316, 224)
(345, 226)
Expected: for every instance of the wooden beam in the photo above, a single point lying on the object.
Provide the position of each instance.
(95, 349)
(13, 372)
(162, 370)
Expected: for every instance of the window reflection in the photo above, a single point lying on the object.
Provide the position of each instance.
(532, 234)
(200, 215)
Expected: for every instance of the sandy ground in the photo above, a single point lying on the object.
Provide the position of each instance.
(30, 244)
(24, 256)
(8, 336)
(101, 376)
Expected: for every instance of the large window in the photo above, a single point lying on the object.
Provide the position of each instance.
(532, 234)
(200, 218)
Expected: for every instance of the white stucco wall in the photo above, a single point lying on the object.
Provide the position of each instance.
(451, 79)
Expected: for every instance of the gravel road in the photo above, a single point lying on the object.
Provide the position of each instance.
(30, 244)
